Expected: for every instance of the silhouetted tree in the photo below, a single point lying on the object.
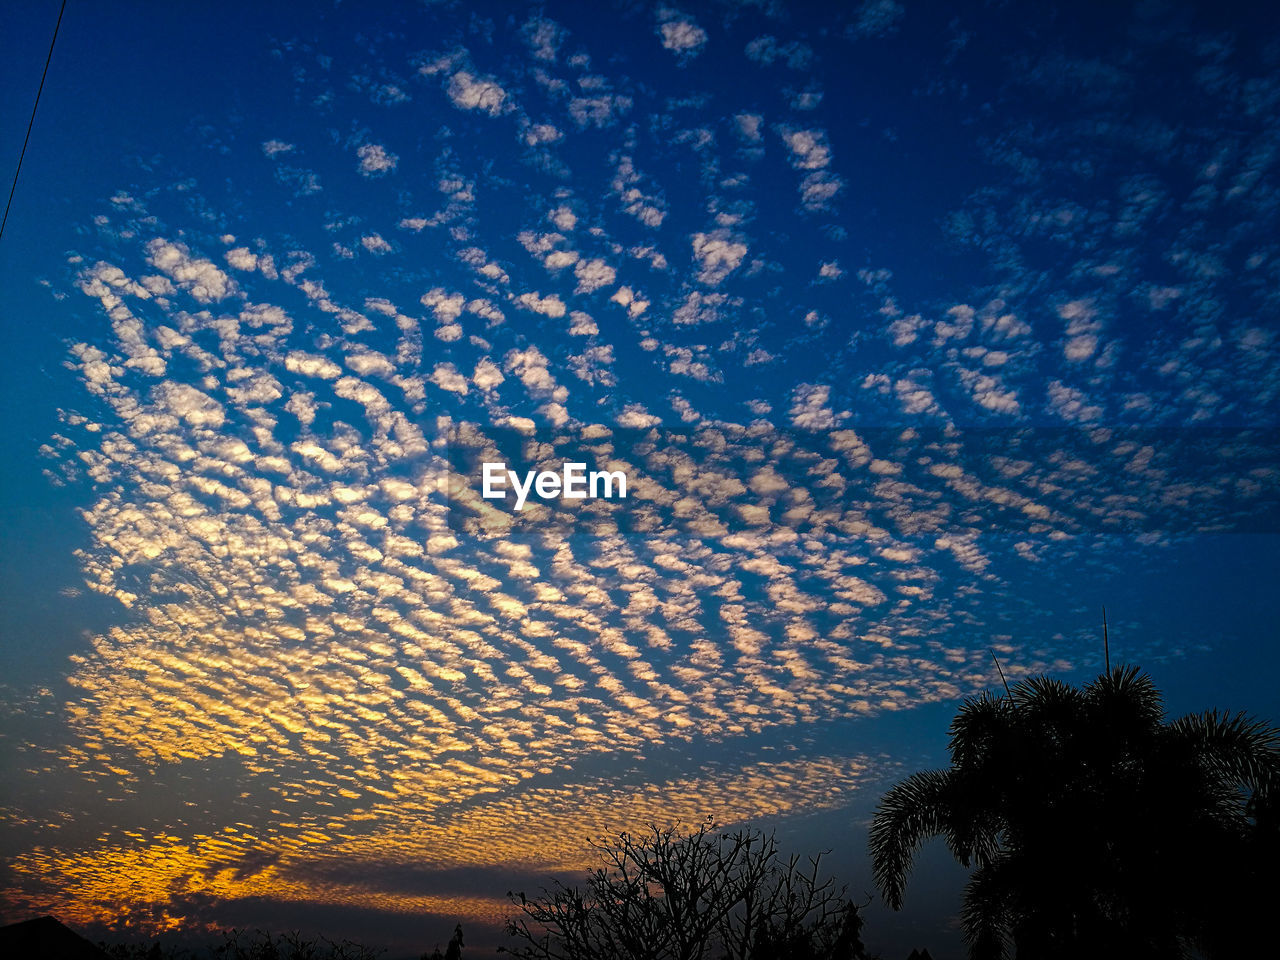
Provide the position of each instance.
(242, 945)
(143, 951)
(263, 945)
(1095, 827)
(667, 895)
(451, 952)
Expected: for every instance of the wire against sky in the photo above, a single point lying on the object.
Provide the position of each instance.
(30, 123)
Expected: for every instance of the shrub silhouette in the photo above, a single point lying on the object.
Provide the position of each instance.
(667, 895)
(1095, 827)
(259, 945)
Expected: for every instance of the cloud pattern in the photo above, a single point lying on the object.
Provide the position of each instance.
(834, 468)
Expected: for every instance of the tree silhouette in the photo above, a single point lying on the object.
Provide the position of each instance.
(263, 945)
(1094, 826)
(451, 952)
(245, 945)
(667, 895)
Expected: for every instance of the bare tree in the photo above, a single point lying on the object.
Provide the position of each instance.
(702, 895)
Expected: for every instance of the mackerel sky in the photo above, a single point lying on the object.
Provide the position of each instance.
(921, 331)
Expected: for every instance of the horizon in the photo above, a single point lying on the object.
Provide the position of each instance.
(917, 335)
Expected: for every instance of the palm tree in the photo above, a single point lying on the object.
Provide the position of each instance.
(1094, 827)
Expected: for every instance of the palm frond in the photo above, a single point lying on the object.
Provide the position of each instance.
(914, 810)
(1127, 696)
(980, 724)
(985, 913)
(1046, 695)
(1235, 747)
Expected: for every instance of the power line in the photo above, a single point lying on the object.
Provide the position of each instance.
(31, 122)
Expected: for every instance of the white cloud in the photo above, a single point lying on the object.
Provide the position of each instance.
(258, 315)
(374, 243)
(989, 392)
(241, 258)
(905, 330)
(543, 37)
(304, 182)
(442, 63)
(818, 189)
(487, 375)
(766, 49)
(105, 281)
(446, 307)
(810, 408)
(1001, 326)
(550, 305)
(877, 18)
(302, 405)
(1254, 340)
(1072, 404)
(538, 133)
(807, 99)
(649, 209)
(626, 297)
(592, 365)
(371, 363)
(914, 396)
(748, 126)
(651, 254)
(563, 217)
(1082, 330)
(699, 307)
(446, 377)
(635, 417)
(387, 93)
(199, 277)
(185, 401)
(478, 260)
(684, 362)
(557, 260)
(476, 93)
(376, 160)
(598, 111)
(310, 365)
(1080, 348)
(530, 365)
(718, 254)
(539, 244)
(809, 148)
(681, 35)
(483, 308)
(592, 275)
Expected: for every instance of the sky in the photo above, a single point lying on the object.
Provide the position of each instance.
(921, 332)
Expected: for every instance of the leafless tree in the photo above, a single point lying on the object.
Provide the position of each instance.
(700, 895)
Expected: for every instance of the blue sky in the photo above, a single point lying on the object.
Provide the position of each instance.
(918, 331)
